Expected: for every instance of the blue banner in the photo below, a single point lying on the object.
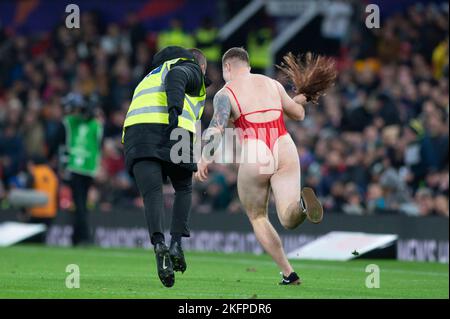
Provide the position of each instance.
(31, 16)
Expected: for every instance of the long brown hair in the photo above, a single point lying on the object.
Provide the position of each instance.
(312, 75)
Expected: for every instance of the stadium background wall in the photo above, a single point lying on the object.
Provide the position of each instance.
(420, 239)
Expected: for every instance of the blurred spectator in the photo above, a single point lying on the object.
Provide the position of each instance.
(354, 203)
(441, 206)
(175, 35)
(33, 135)
(435, 143)
(411, 147)
(206, 39)
(112, 179)
(43, 179)
(375, 199)
(12, 153)
(424, 201)
(440, 60)
(258, 46)
(395, 193)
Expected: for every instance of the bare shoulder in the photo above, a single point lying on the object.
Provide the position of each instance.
(279, 86)
(222, 91)
(260, 77)
(265, 79)
(222, 97)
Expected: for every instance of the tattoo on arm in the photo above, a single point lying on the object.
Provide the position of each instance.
(219, 121)
(222, 110)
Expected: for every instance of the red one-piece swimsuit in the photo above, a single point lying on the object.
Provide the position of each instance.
(268, 132)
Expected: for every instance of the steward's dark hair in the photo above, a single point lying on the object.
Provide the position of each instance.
(198, 56)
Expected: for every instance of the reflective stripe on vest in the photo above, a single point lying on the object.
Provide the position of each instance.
(149, 91)
(156, 109)
(190, 110)
(149, 103)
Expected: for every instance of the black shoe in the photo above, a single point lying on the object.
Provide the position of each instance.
(164, 264)
(177, 257)
(292, 279)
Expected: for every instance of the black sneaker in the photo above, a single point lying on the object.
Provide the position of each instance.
(292, 279)
(177, 257)
(164, 264)
(311, 205)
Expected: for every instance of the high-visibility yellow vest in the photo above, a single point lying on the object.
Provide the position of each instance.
(149, 104)
(176, 37)
(206, 41)
(259, 52)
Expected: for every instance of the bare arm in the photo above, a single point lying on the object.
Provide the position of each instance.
(219, 121)
(292, 107)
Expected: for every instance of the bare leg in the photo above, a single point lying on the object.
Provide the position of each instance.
(254, 189)
(271, 242)
(286, 184)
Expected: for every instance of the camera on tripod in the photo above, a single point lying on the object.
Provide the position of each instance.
(84, 105)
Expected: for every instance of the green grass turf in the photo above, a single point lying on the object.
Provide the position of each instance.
(39, 272)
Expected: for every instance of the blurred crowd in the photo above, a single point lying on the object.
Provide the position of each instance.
(377, 143)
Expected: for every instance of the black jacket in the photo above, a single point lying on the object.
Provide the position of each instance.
(152, 140)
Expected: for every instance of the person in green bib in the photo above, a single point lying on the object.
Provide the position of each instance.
(164, 110)
(83, 136)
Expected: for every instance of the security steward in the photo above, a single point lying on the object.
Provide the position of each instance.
(169, 99)
(206, 38)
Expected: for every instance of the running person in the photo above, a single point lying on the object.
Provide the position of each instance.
(168, 100)
(257, 103)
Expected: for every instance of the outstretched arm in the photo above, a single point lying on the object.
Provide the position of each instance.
(213, 134)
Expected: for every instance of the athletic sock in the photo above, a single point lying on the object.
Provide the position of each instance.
(176, 238)
(157, 238)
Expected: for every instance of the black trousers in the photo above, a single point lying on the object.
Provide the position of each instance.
(80, 186)
(150, 174)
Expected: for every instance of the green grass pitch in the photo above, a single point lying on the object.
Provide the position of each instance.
(40, 272)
